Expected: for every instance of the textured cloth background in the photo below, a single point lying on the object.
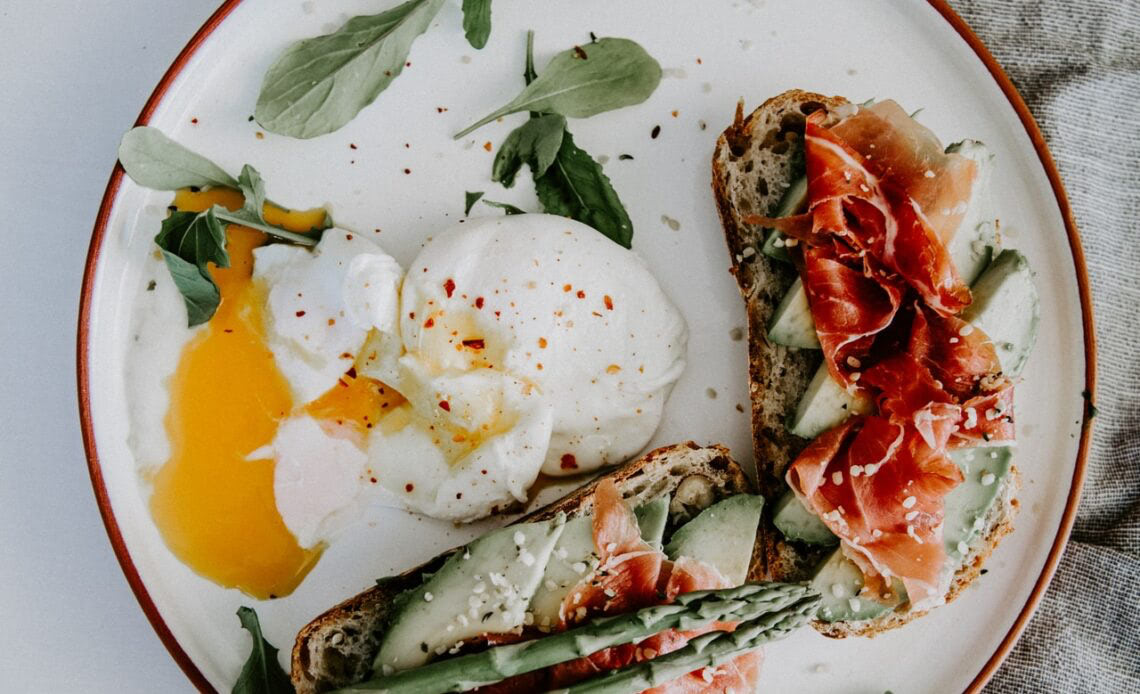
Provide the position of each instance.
(1077, 64)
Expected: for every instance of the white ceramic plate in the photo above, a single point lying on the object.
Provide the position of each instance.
(714, 53)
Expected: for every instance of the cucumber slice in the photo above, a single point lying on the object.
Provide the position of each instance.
(796, 522)
(722, 536)
(791, 323)
(793, 202)
(825, 404)
(968, 504)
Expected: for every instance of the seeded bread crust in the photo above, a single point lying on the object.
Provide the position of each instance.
(337, 648)
(753, 163)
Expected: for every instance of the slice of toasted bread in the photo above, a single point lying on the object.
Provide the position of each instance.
(755, 160)
(338, 647)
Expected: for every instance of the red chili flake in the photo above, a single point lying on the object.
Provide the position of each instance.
(409, 487)
(351, 146)
(487, 145)
(568, 462)
(579, 53)
(655, 132)
(449, 287)
(474, 343)
(542, 343)
(539, 365)
(412, 315)
(345, 355)
(698, 61)
(608, 302)
(194, 121)
(445, 405)
(497, 314)
(478, 302)
(440, 109)
(300, 313)
(483, 471)
(372, 479)
(566, 287)
(259, 135)
(348, 237)
(228, 330)
(581, 294)
(332, 321)
(407, 171)
(351, 373)
(429, 322)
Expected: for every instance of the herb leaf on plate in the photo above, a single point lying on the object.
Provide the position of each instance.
(319, 84)
(585, 81)
(261, 674)
(155, 161)
(477, 22)
(469, 200)
(506, 207)
(535, 142)
(189, 241)
(253, 191)
(575, 186)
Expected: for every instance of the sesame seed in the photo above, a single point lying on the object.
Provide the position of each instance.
(929, 174)
(837, 477)
(856, 470)
(909, 502)
(579, 567)
(854, 363)
(988, 479)
(876, 533)
(428, 597)
(966, 330)
(526, 558)
(520, 539)
(748, 252)
(853, 603)
(963, 548)
(911, 515)
(791, 243)
(837, 590)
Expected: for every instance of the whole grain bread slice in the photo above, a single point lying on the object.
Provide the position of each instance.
(756, 159)
(337, 648)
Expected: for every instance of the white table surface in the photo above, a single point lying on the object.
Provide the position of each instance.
(73, 78)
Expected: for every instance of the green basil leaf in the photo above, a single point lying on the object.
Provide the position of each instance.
(253, 190)
(535, 142)
(321, 83)
(477, 22)
(575, 186)
(199, 292)
(506, 207)
(469, 201)
(196, 237)
(155, 161)
(261, 674)
(585, 81)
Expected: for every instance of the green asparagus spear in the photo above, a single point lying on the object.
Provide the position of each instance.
(705, 651)
(690, 611)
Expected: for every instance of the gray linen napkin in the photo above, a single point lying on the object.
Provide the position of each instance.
(1078, 66)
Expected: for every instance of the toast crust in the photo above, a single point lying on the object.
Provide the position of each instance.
(337, 648)
(752, 164)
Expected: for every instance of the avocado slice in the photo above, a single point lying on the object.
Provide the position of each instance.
(968, 504)
(1007, 308)
(485, 587)
(722, 536)
(825, 404)
(796, 522)
(793, 202)
(972, 245)
(970, 248)
(574, 557)
(839, 581)
(791, 323)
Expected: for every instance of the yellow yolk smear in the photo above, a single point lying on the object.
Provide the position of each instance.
(354, 405)
(215, 508)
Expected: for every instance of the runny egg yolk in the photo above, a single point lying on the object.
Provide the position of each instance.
(216, 508)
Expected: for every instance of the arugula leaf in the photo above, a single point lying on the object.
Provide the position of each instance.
(199, 291)
(469, 201)
(575, 186)
(319, 84)
(253, 190)
(155, 161)
(477, 22)
(585, 81)
(506, 207)
(189, 241)
(261, 674)
(535, 142)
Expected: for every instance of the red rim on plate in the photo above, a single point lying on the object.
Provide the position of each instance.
(957, 23)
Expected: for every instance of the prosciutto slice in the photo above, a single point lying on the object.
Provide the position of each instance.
(880, 487)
